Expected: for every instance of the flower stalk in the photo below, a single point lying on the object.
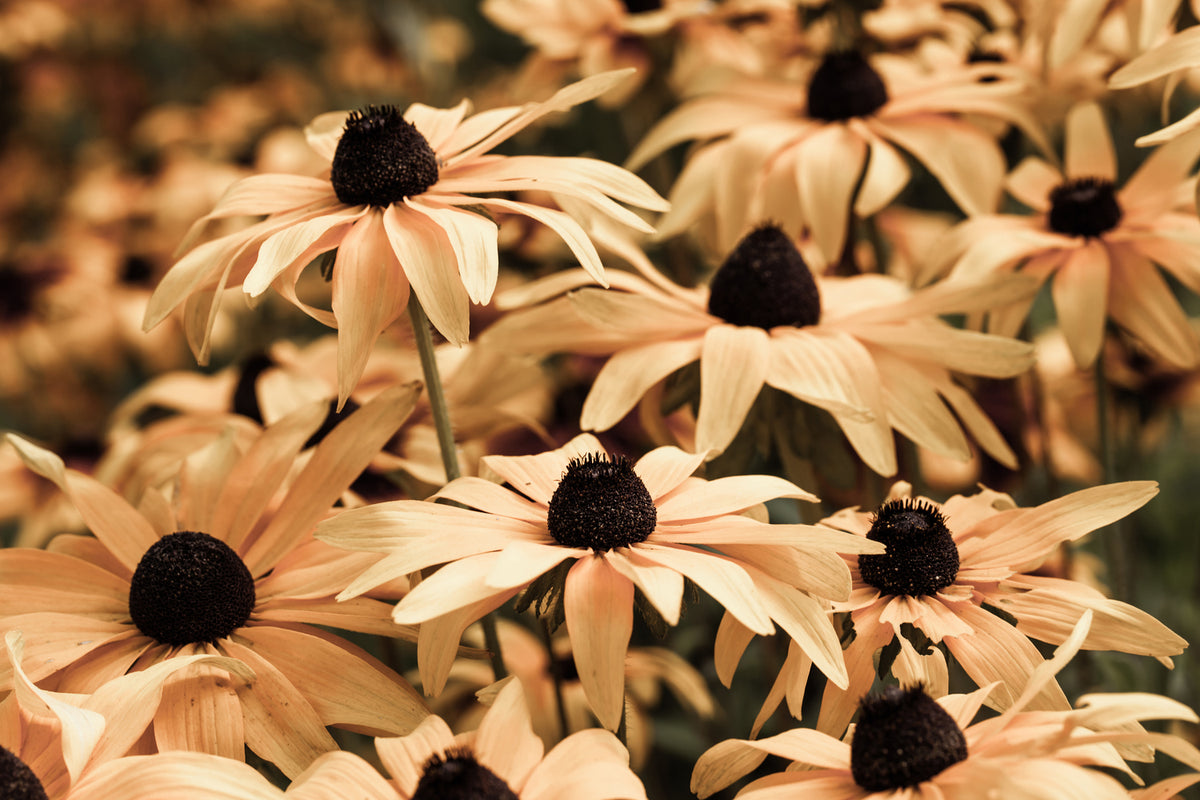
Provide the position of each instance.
(440, 411)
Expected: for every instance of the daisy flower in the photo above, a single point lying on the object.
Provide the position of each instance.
(1099, 245)
(772, 148)
(907, 745)
(501, 760)
(227, 568)
(958, 571)
(406, 205)
(865, 349)
(584, 533)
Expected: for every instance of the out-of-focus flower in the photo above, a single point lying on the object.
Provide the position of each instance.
(865, 349)
(405, 205)
(648, 670)
(227, 567)
(1101, 245)
(776, 149)
(957, 572)
(908, 745)
(589, 530)
(489, 393)
(502, 760)
(590, 37)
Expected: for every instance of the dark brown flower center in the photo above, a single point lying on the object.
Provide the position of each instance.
(20, 286)
(764, 283)
(189, 588)
(638, 6)
(903, 738)
(458, 776)
(1084, 207)
(17, 781)
(845, 86)
(921, 557)
(381, 159)
(601, 503)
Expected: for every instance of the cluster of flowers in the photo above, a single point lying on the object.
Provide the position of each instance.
(422, 498)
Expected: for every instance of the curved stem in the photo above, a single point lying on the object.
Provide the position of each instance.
(445, 435)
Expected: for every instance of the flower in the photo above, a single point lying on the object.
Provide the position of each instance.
(136, 595)
(405, 205)
(1099, 243)
(907, 745)
(958, 571)
(591, 36)
(772, 148)
(865, 349)
(589, 531)
(501, 760)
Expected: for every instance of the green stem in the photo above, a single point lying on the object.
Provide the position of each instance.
(556, 673)
(445, 435)
(434, 389)
(1115, 543)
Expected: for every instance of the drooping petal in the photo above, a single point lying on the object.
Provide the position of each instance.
(1089, 147)
(829, 168)
(598, 601)
(628, 375)
(733, 367)
(428, 260)
(473, 237)
(200, 711)
(587, 765)
(505, 742)
(724, 579)
(1141, 302)
(280, 250)
(662, 586)
(369, 292)
(966, 161)
(38, 581)
(1081, 300)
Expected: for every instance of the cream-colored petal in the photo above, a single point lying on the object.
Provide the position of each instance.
(251, 484)
(200, 481)
(54, 641)
(279, 723)
(492, 498)
(807, 621)
(701, 119)
(1089, 148)
(1081, 299)
(37, 581)
(199, 776)
(665, 468)
(361, 614)
(838, 706)
(598, 602)
(117, 524)
(731, 642)
(325, 131)
(644, 316)
(662, 586)
(537, 476)
(829, 167)
(1028, 536)
(725, 580)
(456, 585)
(1141, 302)
(280, 250)
(887, 175)
(505, 742)
(734, 363)
(393, 526)
(404, 757)
(730, 495)
(732, 759)
(437, 124)
(587, 765)
(628, 375)
(1179, 51)
(956, 349)
(1032, 181)
(428, 260)
(438, 640)
(369, 292)
(340, 774)
(522, 561)
(997, 651)
(474, 240)
(345, 685)
(966, 161)
(817, 365)
(129, 703)
(335, 463)
(200, 711)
